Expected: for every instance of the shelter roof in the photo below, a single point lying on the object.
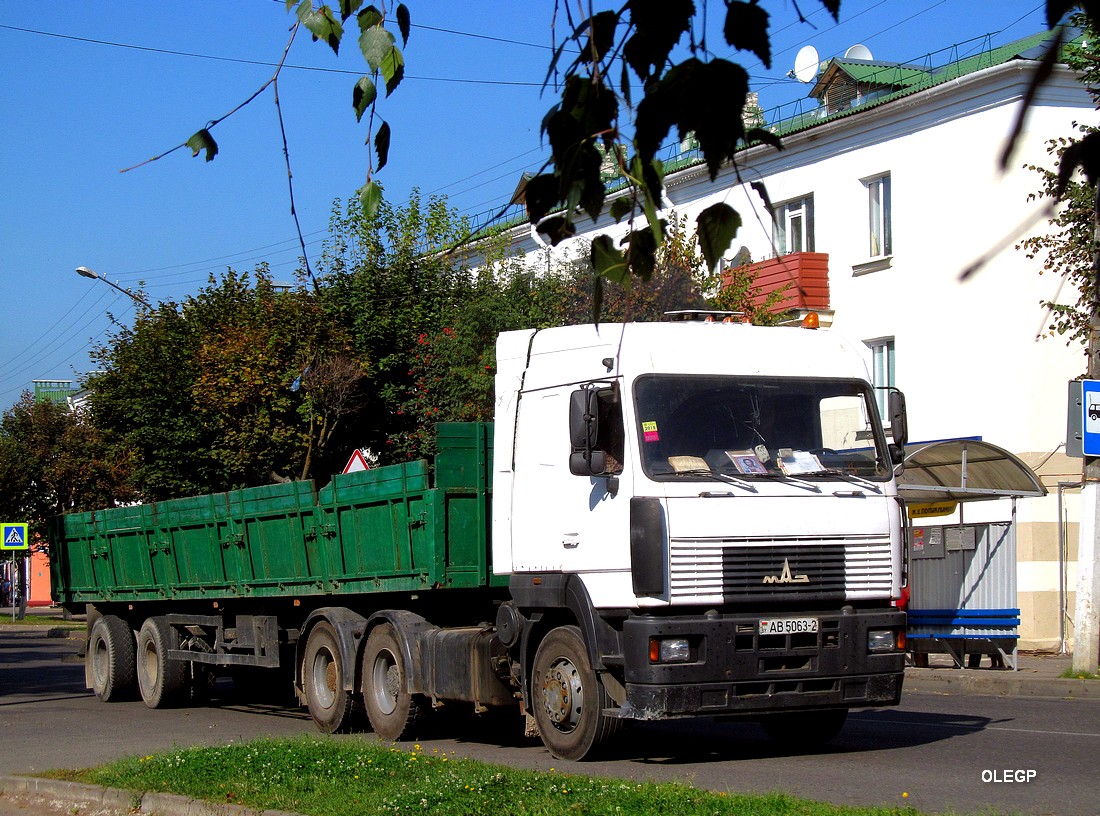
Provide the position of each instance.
(965, 470)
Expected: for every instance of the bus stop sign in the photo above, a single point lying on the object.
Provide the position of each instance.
(1090, 417)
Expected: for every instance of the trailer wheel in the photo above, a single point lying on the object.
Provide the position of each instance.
(110, 659)
(567, 697)
(807, 729)
(392, 710)
(332, 707)
(162, 679)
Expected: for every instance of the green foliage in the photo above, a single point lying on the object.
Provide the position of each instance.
(199, 395)
(243, 384)
(141, 399)
(685, 87)
(202, 140)
(356, 777)
(53, 460)
(1069, 248)
(390, 279)
(717, 225)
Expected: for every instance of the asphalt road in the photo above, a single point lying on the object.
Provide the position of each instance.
(947, 752)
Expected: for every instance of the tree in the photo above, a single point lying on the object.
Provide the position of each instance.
(200, 394)
(390, 279)
(53, 460)
(1067, 250)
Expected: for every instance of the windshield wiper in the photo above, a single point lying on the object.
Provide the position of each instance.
(848, 477)
(718, 477)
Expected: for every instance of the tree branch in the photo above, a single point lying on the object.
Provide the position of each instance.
(214, 122)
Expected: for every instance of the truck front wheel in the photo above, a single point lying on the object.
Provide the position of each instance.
(161, 679)
(392, 710)
(111, 659)
(332, 707)
(567, 697)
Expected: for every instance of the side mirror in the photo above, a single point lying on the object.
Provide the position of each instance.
(584, 459)
(583, 419)
(899, 423)
(587, 463)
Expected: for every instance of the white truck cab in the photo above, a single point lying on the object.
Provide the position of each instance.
(710, 507)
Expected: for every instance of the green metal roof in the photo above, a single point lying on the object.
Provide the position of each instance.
(897, 81)
(911, 78)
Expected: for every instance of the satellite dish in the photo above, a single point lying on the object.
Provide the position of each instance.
(858, 52)
(805, 64)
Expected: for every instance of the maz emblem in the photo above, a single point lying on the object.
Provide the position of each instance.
(785, 576)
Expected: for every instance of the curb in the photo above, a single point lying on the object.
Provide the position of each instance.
(42, 631)
(98, 799)
(998, 684)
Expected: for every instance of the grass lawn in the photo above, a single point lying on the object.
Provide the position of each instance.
(358, 777)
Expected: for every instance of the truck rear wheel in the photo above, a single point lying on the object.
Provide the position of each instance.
(392, 710)
(110, 659)
(807, 729)
(567, 697)
(161, 679)
(333, 708)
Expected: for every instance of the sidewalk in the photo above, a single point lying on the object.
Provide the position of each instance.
(1038, 675)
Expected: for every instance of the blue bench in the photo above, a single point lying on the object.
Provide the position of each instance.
(961, 632)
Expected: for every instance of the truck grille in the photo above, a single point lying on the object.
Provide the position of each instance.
(840, 568)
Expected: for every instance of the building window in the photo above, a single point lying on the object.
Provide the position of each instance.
(882, 371)
(878, 212)
(794, 226)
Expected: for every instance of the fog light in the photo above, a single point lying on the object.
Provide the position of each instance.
(880, 640)
(669, 650)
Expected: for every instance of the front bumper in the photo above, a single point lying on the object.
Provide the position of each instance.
(735, 670)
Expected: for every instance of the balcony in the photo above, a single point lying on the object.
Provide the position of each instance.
(803, 277)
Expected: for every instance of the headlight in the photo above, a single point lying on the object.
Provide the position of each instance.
(881, 640)
(669, 650)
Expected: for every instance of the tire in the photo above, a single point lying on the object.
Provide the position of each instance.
(568, 699)
(805, 729)
(162, 680)
(333, 708)
(110, 659)
(394, 712)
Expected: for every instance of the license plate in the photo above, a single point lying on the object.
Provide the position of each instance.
(788, 626)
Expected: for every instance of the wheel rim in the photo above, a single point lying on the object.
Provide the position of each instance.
(324, 678)
(385, 682)
(150, 664)
(563, 695)
(100, 658)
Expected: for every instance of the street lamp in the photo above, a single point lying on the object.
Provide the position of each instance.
(85, 272)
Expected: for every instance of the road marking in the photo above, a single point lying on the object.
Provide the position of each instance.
(882, 721)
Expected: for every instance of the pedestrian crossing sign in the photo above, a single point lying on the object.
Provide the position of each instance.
(14, 536)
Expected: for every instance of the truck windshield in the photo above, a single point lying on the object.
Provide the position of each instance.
(758, 427)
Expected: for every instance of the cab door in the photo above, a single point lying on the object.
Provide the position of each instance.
(561, 521)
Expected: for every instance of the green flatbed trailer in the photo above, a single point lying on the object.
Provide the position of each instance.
(288, 577)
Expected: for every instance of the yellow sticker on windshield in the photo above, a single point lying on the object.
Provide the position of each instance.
(649, 432)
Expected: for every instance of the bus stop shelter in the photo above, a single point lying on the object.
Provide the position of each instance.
(962, 576)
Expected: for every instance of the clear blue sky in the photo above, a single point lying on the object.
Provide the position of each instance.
(93, 87)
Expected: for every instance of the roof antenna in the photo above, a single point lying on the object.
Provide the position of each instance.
(805, 64)
(859, 51)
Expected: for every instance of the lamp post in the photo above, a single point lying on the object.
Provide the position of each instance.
(85, 272)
